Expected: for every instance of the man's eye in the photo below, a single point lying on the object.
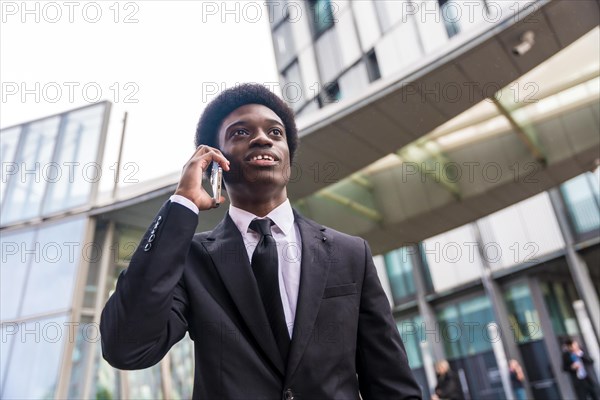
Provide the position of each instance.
(239, 132)
(277, 132)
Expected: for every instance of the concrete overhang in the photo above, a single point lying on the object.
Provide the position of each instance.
(342, 138)
(535, 147)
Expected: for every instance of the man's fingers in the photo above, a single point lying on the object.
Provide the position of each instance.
(208, 153)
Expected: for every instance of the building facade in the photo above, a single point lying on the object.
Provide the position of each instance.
(479, 268)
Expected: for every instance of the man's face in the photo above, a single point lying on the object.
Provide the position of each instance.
(253, 139)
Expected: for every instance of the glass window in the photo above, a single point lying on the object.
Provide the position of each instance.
(292, 88)
(332, 93)
(450, 330)
(24, 196)
(464, 327)
(105, 381)
(581, 198)
(476, 314)
(284, 45)
(522, 315)
(17, 253)
(322, 16)
(58, 250)
(8, 332)
(83, 349)
(8, 148)
(354, 81)
(182, 369)
(558, 300)
(34, 364)
(451, 15)
(366, 20)
(70, 184)
(373, 66)
(145, 384)
(399, 268)
(411, 332)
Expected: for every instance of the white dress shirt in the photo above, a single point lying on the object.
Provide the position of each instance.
(289, 248)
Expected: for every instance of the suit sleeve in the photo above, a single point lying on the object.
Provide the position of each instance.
(147, 313)
(382, 365)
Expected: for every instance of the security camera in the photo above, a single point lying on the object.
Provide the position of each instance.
(527, 42)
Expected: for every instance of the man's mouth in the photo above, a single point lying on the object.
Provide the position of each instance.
(263, 159)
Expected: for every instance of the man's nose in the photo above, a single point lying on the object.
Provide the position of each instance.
(261, 138)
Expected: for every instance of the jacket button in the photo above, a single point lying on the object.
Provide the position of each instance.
(148, 246)
(151, 238)
(288, 394)
(159, 218)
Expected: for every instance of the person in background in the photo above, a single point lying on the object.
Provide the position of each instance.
(448, 387)
(579, 366)
(517, 379)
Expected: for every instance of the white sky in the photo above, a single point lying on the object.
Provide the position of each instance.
(174, 51)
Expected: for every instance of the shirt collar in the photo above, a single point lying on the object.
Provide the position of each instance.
(282, 216)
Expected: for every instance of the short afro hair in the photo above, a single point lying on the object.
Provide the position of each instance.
(240, 95)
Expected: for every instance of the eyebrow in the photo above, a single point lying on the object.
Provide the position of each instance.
(245, 122)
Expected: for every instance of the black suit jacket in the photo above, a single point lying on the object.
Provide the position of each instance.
(344, 335)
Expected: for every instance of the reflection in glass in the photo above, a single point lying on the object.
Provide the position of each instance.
(182, 369)
(399, 267)
(105, 381)
(86, 334)
(581, 199)
(559, 300)
(451, 14)
(145, 384)
(321, 15)
(75, 169)
(35, 360)
(522, 315)
(8, 333)
(411, 332)
(16, 256)
(59, 249)
(24, 196)
(463, 327)
(8, 147)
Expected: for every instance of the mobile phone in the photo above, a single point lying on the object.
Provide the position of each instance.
(216, 178)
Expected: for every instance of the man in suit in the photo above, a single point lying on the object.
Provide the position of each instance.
(278, 306)
(580, 367)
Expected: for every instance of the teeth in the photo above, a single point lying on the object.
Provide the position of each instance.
(263, 157)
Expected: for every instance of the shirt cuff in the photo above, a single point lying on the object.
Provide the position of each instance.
(184, 201)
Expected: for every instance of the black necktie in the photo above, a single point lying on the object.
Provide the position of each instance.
(264, 266)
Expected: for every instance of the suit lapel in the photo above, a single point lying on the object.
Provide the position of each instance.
(316, 245)
(226, 248)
